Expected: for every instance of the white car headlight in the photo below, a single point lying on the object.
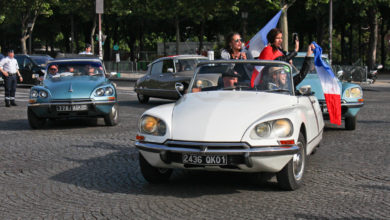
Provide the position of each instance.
(354, 93)
(152, 125)
(34, 94)
(43, 94)
(280, 128)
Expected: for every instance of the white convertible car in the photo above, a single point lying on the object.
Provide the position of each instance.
(223, 124)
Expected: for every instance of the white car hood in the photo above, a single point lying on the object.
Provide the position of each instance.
(223, 116)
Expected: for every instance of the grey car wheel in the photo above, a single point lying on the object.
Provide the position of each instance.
(290, 177)
(142, 98)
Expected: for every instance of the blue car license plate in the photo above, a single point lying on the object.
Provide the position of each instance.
(67, 108)
(204, 159)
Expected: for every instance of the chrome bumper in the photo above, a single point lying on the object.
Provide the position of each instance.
(217, 148)
(103, 102)
(346, 104)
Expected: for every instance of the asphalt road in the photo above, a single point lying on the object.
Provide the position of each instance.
(73, 170)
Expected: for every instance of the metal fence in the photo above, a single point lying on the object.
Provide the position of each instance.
(126, 66)
(351, 73)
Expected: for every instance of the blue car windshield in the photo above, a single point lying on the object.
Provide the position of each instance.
(298, 62)
(74, 69)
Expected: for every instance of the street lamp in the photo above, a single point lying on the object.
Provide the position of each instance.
(244, 16)
(29, 25)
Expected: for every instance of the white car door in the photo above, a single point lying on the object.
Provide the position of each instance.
(314, 123)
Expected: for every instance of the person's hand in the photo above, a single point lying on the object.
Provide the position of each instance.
(310, 49)
(243, 55)
(296, 45)
(21, 78)
(5, 74)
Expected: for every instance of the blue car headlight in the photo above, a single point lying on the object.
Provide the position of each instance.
(355, 92)
(43, 94)
(34, 94)
(279, 128)
(104, 91)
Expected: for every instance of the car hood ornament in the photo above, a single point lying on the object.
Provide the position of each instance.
(70, 88)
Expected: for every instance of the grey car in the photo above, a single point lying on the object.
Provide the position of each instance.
(162, 74)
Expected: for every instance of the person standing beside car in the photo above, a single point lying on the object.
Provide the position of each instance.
(88, 49)
(10, 69)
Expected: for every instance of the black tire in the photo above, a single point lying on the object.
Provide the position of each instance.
(142, 98)
(153, 174)
(290, 177)
(34, 121)
(112, 118)
(350, 123)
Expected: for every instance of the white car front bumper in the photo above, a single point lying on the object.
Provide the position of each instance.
(241, 157)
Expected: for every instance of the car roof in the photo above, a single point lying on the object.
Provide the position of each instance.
(65, 60)
(182, 56)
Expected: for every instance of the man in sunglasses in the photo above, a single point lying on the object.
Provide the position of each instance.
(53, 70)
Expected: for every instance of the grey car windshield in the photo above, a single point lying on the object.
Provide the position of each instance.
(270, 77)
(185, 64)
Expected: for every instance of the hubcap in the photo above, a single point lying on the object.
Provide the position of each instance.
(114, 113)
(299, 162)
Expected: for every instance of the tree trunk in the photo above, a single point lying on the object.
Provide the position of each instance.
(350, 43)
(284, 27)
(93, 29)
(177, 35)
(25, 31)
(371, 58)
(383, 44)
(202, 24)
(71, 33)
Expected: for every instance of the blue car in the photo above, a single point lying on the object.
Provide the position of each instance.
(351, 94)
(78, 88)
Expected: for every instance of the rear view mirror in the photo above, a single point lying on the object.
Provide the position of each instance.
(340, 74)
(35, 76)
(179, 88)
(305, 90)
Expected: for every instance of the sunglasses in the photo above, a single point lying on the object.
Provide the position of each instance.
(53, 69)
(238, 40)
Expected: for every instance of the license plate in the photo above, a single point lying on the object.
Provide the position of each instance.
(204, 159)
(67, 108)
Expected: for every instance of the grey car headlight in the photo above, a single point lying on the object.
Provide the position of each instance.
(202, 83)
(355, 92)
(280, 128)
(152, 125)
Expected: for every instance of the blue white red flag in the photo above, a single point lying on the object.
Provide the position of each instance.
(329, 85)
(255, 45)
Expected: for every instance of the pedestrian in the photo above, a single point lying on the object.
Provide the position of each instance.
(88, 49)
(10, 69)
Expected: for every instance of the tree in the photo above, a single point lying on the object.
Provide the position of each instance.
(27, 12)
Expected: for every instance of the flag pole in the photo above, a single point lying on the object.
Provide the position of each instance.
(330, 30)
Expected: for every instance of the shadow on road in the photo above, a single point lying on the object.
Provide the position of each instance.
(119, 172)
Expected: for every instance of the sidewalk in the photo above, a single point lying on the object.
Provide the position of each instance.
(134, 76)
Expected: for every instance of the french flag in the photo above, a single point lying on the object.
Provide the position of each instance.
(255, 45)
(329, 85)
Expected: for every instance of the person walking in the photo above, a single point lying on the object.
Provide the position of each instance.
(10, 69)
(88, 49)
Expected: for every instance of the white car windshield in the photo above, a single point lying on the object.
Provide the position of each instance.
(270, 77)
(74, 69)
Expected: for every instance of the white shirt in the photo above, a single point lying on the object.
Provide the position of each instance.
(10, 65)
